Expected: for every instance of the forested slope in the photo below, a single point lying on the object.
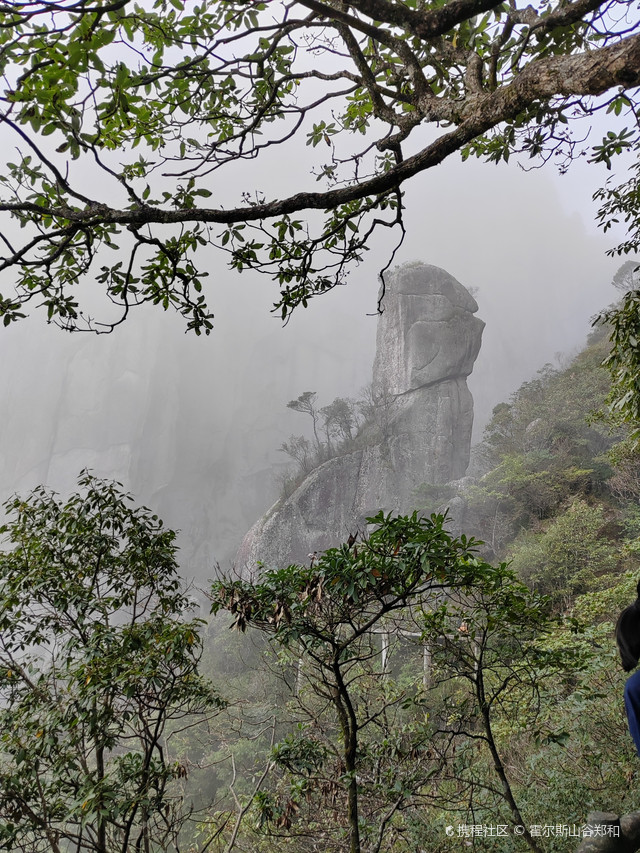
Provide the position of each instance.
(516, 725)
(556, 485)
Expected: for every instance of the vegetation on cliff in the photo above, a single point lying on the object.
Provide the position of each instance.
(396, 693)
(340, 427)
(507, 699)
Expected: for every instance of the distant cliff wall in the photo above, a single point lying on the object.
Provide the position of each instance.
(427, 341)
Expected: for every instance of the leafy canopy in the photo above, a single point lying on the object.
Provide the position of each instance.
(98, 668)
(326, 614)
(623, 362)
(158, 100)
(350, 588)
(366, 761)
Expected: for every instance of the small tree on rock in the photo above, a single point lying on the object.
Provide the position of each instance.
(306, 403)
(627, 276)
(340, 418)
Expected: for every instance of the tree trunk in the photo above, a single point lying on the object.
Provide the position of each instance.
(354, 829)
(497, 760)
(349, 727)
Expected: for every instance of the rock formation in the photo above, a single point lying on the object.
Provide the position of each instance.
(427, 342)
(605, 832)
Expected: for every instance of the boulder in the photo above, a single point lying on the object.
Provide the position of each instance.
(605, 832)
(427, 341)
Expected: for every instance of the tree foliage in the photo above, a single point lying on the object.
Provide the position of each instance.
(161, 99)
(515, 718)
(326, 613)
(570, 555)
(375, 758)
(541, 450)
(623, 362)
(336, 430)
(626, 276)
(98, 672)
(488, 654)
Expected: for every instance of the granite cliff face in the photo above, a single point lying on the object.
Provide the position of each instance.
(427, 341)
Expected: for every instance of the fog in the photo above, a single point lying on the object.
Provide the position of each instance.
(192, 425)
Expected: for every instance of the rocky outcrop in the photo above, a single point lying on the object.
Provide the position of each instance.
(428, 339)
(605, 832)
